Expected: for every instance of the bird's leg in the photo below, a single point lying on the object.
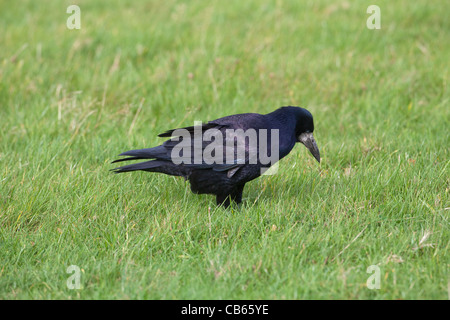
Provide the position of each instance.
(236, 195)
(223, 200)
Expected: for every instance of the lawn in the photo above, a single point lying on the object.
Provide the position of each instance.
(71, 100)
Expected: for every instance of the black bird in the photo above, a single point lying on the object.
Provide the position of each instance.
(217, 158)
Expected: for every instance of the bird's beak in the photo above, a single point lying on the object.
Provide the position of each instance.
(307, 139)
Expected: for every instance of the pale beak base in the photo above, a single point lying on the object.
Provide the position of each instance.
(308, 140)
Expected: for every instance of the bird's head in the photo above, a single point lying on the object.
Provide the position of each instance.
(304, 131)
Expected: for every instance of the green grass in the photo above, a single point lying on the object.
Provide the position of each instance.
(71, 100)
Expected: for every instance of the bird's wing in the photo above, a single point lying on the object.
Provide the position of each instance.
(222, 145)
(209, 146)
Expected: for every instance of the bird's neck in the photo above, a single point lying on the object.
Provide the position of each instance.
(285, 123)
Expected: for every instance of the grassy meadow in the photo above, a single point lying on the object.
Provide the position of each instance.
(72, 100)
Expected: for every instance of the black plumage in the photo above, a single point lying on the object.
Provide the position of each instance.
(226, 178)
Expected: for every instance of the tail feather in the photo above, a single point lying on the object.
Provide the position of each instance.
(149, 153)
(126, 159)
(147, 166)
(158, 152)
(161, 162)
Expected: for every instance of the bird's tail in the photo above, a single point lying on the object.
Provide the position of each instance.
(153, 165)
(158, 152)
(161, 162)
(139, 154)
